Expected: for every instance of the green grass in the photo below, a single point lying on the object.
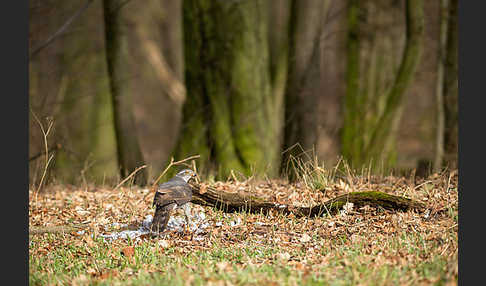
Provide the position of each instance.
(249, 263)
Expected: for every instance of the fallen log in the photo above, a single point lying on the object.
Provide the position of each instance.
(236, 202)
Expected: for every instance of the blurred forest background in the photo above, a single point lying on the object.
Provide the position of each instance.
(246, 84)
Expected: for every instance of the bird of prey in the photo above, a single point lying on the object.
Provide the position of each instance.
(173, 194)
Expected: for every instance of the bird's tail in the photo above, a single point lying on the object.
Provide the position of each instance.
(161, 218)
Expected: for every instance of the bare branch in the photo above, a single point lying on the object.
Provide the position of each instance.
(129, 176)
(53, 148)
(61, 30)
(45, 134)
(176, 89)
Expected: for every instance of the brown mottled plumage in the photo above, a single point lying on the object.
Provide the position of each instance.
(175, 193)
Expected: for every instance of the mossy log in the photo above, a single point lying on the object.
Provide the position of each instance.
(234, 202)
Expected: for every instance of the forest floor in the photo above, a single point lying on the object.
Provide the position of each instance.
(365, 246)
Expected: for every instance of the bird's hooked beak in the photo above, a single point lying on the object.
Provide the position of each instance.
(193, 179)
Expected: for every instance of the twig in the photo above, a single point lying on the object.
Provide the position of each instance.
(45, 133)
(53, 148)
(445, 248)
(129, 176)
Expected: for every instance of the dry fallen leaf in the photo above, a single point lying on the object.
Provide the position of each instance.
(163, 243)
(305, 238)
(285, 256)
(128, 252)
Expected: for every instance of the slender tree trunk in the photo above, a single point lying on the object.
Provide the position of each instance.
(129, 153)
(451, 89)
(278, 40)
(439, 144)
(373, 98)
(306, 24)
(351, 146)
(414, 20)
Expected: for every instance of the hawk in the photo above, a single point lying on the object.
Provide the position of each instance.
(173, 194)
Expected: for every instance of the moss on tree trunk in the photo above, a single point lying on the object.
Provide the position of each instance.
(225, 117)
(375, 82)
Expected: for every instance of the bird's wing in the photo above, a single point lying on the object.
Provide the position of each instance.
(178, 194)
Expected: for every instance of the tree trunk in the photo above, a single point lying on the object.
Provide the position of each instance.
(128, 149)
(440, 118)
(226, 118)
(375, 82)
(451, 90)
(306, 24)
(278, 40)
